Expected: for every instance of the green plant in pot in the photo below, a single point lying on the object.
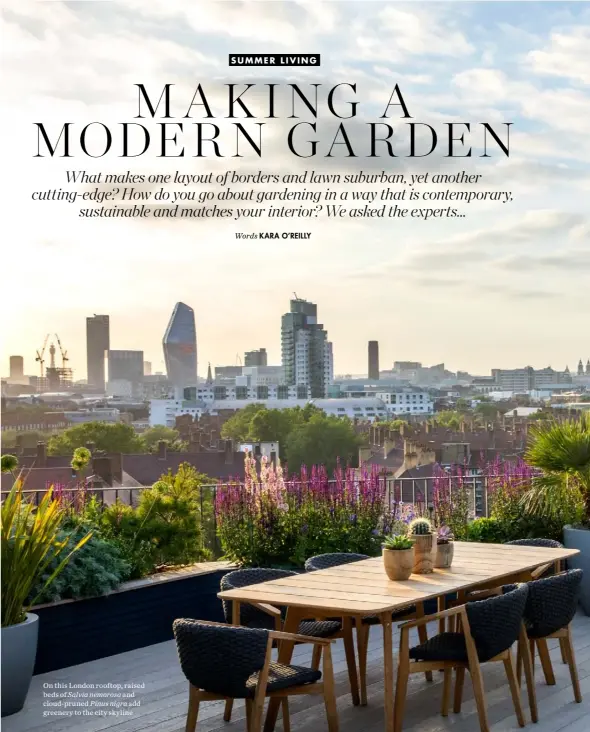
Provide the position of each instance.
(561, 450)
(398, 556)
(424, 539)
(445, 548)
(30, 541)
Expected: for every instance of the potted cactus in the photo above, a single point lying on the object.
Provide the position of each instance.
(445, 548)
(424, 539)
(398, 556)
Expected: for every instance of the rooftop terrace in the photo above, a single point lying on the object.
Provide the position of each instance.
(162, 701)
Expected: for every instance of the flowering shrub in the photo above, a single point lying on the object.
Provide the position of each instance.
(270, 520)
(507, 485)
(452, 499)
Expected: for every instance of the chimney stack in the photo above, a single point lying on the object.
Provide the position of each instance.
(41, 458)
(162, 450)
(229, 452)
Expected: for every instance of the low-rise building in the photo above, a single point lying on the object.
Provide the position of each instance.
(368, 409)
(165, 411)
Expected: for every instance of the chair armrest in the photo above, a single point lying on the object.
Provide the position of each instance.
(430, 618)
(296, 638)
(268, 609)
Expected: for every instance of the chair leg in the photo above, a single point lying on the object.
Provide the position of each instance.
(519, 663)
(229, 704)
(525, 655)
(193, 709)
(545, 661)
(351, 660)
(248, 714)
(316, 657)
(514, 688)
(401, 687)
(286, 717)
(479, 694)
(329, 692)
(562, 647)
(423, 637)
(362, 641)
(446, 695)
(571, 662)
(459, 681)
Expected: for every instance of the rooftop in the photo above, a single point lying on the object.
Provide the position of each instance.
(162, 703)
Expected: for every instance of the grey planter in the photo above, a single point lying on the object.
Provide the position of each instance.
(19, 648)
(580, 539)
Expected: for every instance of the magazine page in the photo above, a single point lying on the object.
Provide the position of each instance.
(295, 365)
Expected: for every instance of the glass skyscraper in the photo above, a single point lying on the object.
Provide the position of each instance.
(180, 347)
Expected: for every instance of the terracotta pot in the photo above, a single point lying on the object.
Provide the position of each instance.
(424, 553)
(398, 563)
(444, 555)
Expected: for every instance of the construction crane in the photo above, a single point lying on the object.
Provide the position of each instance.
(41, 355)
(238, 359)
(64, 354)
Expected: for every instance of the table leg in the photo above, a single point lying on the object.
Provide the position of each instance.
(294, 616)
(388, 670)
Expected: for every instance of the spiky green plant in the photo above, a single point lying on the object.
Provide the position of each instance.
(9, 463)
(397, 542)
(80, 458)
(29, 542)
(420, 527)
(561, 450)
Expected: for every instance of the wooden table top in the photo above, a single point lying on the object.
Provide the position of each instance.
(363, 588)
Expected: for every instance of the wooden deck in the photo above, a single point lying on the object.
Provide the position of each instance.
(161, 705)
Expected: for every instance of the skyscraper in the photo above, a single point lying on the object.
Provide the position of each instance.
(17, 368)
(256, 358)
(305, 351)
(180, 347)
(97, 344)
(374, 360)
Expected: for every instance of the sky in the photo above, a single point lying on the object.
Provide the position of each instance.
(504, 287)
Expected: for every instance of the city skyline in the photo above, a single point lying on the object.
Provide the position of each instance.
(273, 353)
(502, 287)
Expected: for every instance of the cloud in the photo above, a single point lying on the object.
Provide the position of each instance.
(566, 55)
(567, 260)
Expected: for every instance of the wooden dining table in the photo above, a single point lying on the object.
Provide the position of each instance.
(362, 588)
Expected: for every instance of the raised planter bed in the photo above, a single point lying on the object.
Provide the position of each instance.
(139, 613)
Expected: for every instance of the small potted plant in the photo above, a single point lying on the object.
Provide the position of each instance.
(424, 539)
(398, 556)
(444, 548)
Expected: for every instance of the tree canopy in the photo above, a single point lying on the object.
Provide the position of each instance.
(322, 440)
(110, 438)
(306, 436)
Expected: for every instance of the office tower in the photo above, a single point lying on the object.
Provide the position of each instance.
(147, 368)
(97, 344)
(180, 347)
(374, 360)
(126, 366)
(17, 368)
(256, 358)
(303, 347)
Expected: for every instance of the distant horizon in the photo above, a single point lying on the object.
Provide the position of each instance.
(504, 287)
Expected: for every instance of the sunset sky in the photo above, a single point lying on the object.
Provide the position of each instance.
(504, 287)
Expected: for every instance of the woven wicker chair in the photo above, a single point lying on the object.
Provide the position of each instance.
(487, 630)
(551, 605)
(267, 617)
(239, 666)
(548, 569)
(363, 624)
